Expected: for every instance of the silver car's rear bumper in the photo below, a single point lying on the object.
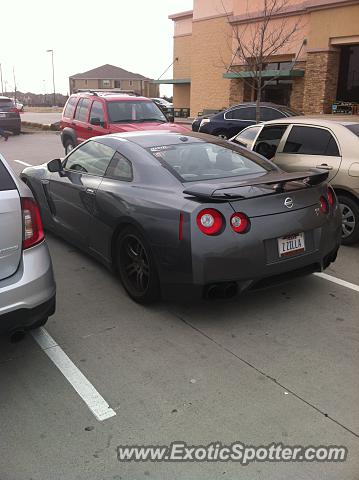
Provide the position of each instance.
(29, 290)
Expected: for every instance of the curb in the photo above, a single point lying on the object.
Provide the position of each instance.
(42, 126)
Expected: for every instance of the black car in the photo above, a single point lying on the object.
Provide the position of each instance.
(10, 120)
(229, 122)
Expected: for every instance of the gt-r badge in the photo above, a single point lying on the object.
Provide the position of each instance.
(288, 202)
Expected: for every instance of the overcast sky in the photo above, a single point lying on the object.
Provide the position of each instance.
(132, 34)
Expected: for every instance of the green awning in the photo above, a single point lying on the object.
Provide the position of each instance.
(266, 74)
(172, 81)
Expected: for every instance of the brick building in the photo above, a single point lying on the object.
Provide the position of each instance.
(326, 50)
(110, 77)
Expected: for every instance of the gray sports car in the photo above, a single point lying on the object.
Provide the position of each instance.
(184, 214)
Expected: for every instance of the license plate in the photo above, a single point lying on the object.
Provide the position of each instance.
(2, 115)
(291, 245)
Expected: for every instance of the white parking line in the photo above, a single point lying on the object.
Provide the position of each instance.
(339, 281)
(23, 163)
(95, 402)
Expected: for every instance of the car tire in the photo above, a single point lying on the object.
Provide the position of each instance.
(350, 221)
(69, 145)
(136, 267)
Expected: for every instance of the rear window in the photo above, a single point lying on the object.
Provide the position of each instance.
(205, 161)
(354, 128)
(248, 134)
(243, 113)
(70, 107)
(6, 181)
(6, 104)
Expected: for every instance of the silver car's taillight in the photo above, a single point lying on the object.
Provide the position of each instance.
(32, 224)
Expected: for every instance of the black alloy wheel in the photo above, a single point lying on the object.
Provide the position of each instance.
(136, 267)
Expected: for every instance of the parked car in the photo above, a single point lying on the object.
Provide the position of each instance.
(164, 105)
(27, 286)
(9, 116)
(89, 114)
(300, 143)
(18, 105)
(229, 122)
(184, 214)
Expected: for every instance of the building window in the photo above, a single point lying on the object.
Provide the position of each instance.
(117, 83)
(106, 83)
(278, 66)
(130, 83)
(348, 84)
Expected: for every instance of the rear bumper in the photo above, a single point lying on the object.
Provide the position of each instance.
(30, 292)
(25, 318)
(10, 123)
(251, 262)
(193, 291)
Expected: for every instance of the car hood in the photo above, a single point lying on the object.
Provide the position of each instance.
(134, 127)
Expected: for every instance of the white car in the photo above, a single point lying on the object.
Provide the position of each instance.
(18, 105)
(299, 143)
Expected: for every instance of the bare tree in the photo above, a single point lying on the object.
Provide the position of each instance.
(254, 42)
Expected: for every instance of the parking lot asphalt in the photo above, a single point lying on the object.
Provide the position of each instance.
(279, 365)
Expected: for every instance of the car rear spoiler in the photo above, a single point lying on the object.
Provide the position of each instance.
(278, 180)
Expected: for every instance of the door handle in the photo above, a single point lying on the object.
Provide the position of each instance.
(90, 191)
(324, 166)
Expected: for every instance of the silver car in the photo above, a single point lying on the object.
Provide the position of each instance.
(27, 286)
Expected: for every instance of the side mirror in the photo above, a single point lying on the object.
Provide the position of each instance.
(55, 165)
(96, 121)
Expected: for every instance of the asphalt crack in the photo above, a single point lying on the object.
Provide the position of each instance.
(263, 373)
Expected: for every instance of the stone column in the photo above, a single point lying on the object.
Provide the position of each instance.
(321, 81)
(297, 94)
(236, 91)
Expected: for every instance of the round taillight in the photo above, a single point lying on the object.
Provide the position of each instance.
(324, 206)
(331, 197)
(210, 221)
(240, 222)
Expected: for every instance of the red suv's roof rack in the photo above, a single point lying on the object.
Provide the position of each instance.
(103, 92)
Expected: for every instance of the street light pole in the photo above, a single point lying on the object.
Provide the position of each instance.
(2, 85)
(53, 74)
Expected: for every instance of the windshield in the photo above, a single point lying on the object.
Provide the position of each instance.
(134, 111)
(354, 128)
(205, 161)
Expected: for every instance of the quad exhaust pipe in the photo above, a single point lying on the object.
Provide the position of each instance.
(221, 290)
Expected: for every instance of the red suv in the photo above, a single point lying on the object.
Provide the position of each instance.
(88, 114)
